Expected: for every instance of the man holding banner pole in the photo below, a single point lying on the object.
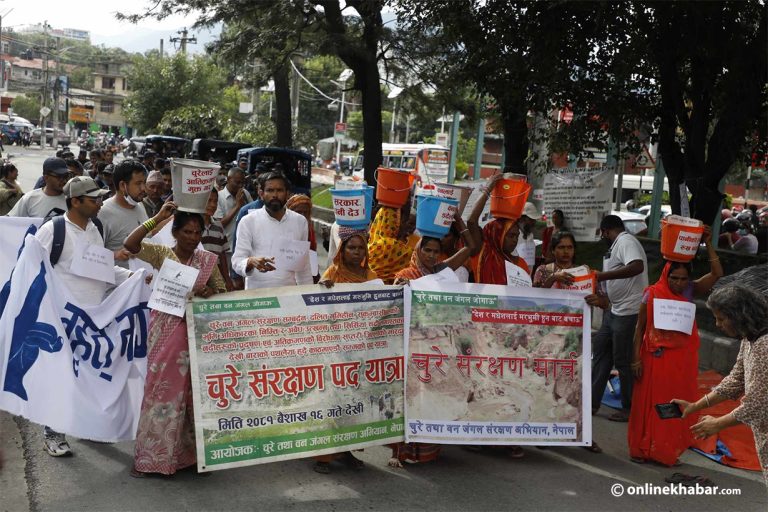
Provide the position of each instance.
(82, 263)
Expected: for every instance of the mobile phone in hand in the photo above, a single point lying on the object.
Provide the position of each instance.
(668, 411)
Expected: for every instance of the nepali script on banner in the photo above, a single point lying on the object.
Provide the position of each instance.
(76, 368)
(584, 196)
(491, 364)
(291, 372)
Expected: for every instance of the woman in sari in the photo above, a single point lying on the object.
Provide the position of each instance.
(425, 259)
(494, 244)
(350, 265)
(165, 441)
(563, 245)
(665, 365)
(392, 241)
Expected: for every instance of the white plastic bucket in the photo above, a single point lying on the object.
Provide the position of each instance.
(192, 183)
(458, 192)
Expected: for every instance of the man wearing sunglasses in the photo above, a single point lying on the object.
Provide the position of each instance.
(48, 201)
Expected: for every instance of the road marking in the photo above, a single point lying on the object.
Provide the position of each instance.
(587, 467)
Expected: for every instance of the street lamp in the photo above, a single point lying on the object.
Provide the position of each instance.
(342, 82)
(393, 94)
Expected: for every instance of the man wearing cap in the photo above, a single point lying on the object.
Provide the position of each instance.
(155, 188)
(83, 201)
(526, 245)
(49, 200)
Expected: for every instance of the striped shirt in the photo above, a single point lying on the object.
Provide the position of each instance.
(214, 238)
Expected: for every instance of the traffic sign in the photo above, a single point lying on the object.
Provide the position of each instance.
(44, 111)
(340, 130)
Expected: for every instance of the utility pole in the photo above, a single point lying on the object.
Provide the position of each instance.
(56, 88)
(161, 48)
(183, 40)
(45, 87)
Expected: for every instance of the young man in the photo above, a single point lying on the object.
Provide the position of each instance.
(625, 275)
(122, 213)
(214, 239)
(253, 257)
(83, 201)
(47, 201)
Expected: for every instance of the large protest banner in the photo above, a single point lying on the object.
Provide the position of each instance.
(13, 230)
(292, 372)
(584, 196)
(491, 364)
(77, 368)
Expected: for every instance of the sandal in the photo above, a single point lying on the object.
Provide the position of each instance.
(679, 478)
(515, 452)
(352, 461)
(137, 474)
(620, 417)
(640, 460)
(322, 467)
(595, 448)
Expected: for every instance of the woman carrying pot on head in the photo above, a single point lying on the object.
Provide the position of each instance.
(665, 363)
(165, 441)
(392, 241)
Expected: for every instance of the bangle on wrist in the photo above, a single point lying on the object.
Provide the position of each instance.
(149, 225)
(706, 398)
(464, 231)
(714, 259)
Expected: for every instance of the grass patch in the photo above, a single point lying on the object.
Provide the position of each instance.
(321, 197)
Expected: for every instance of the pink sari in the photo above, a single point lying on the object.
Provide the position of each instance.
(165, 441)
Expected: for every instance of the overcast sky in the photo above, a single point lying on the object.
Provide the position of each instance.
(99, 18)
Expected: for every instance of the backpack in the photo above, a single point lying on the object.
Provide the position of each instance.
(59, 232)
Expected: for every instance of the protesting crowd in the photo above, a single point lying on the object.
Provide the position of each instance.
(132, 211)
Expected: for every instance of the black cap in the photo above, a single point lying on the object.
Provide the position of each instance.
(56, 166)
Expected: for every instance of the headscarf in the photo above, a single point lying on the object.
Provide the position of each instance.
(488, 266)
(654, 339)
(417, 268)
(293, 202)
(338, 272)
(388, 255)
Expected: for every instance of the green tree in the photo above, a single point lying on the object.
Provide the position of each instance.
(162, 85)
(27, 107)
(194, 122)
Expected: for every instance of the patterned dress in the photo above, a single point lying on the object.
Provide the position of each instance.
(165, 441)
(749, 377)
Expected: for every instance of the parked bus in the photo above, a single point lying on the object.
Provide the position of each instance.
(429, 162)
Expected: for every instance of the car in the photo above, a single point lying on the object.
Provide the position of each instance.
(62, 138)
(12, 130)
(646, 210)
(634, 223)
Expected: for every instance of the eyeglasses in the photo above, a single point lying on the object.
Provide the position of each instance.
(94, 199)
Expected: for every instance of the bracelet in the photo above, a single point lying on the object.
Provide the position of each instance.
(706, 397)
(715, 259)
(149, 225)
(464, 231)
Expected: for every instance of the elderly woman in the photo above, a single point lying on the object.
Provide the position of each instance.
(350, 264)
(743, 313)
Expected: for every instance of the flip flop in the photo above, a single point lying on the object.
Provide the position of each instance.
(595, 448)
(640, 460)
(322, 467)
(515, 452)
(679, 478)
(620, 417)
(353, 462)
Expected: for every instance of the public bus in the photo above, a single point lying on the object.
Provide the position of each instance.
(428, 162)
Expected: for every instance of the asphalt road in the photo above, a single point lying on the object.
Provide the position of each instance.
(558, 478)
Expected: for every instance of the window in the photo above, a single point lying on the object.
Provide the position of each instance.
(107, 107)
(107, 82)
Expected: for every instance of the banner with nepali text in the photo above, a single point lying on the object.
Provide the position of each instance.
(293, 372)
(497, 365)
(584, 195)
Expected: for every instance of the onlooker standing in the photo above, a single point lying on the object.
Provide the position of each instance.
(747, 242)
(730, 234)
(558, 218)
(155, 187)
(49, 200)
(83, 201)
(260, 228)
(231, 199)
(122, 213)
(214, 239)
(625, 276)
(10, 191)
(743, 313)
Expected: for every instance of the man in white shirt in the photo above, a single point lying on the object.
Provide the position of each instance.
(49, 200)
(625, 273)
(231, 199)
(83, 201)
(254, 257)
(526, 245)
(124, 212)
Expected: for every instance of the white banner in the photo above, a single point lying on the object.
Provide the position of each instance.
(584, 196)
(13, 230)
(78, 369)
